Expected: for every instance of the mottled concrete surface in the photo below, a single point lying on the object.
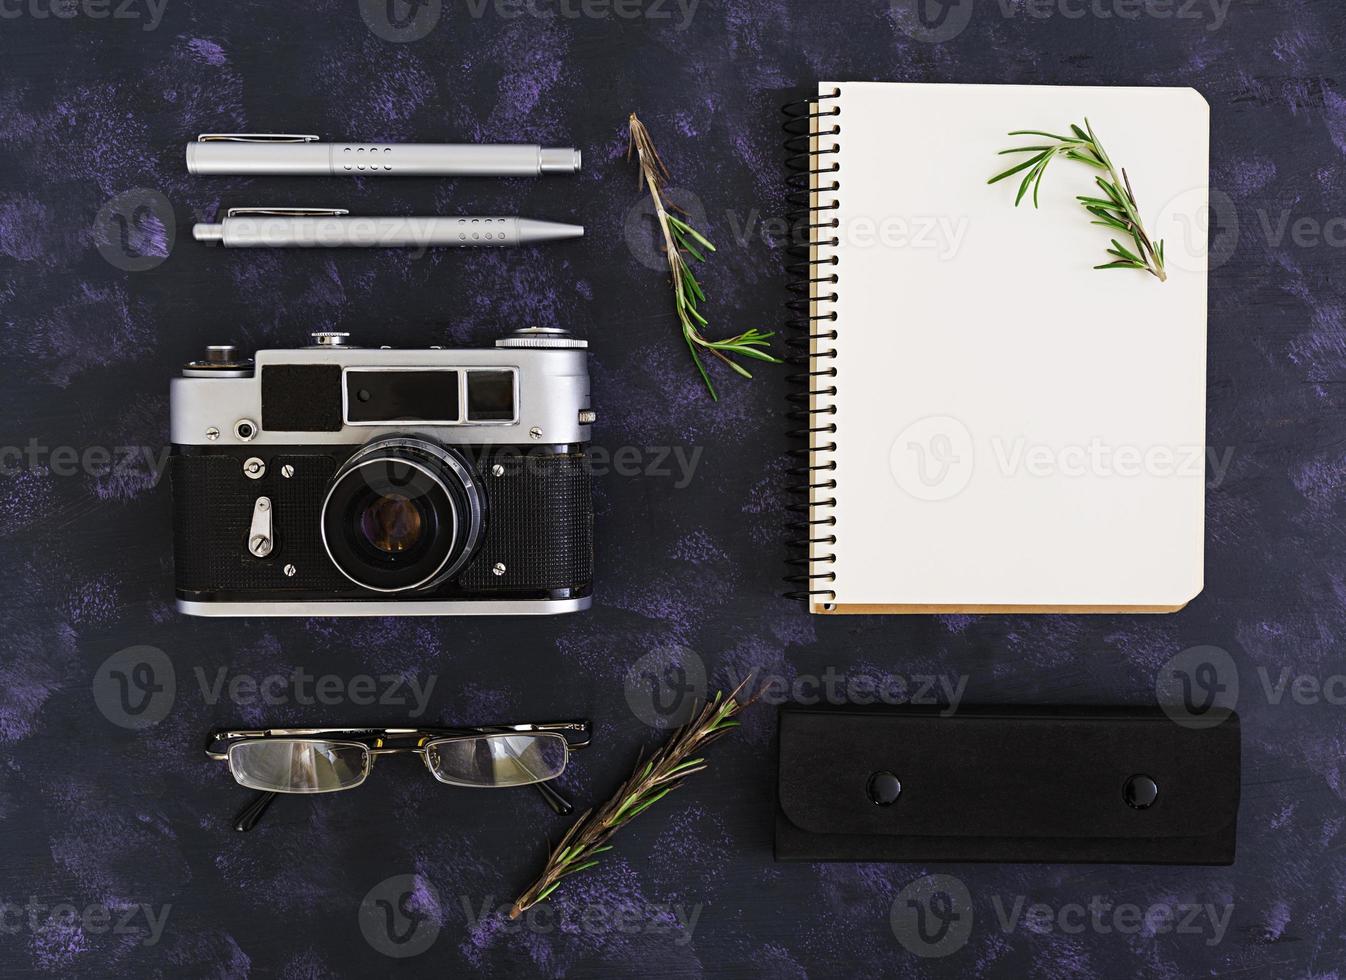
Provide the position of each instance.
(116, 854)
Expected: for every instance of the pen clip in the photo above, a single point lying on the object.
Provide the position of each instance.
(289, 212)
(256, 138)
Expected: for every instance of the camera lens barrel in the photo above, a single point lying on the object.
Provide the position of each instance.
(402, 514)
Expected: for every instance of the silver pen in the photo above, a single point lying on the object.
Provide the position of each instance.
(338, 228)
(303, 155)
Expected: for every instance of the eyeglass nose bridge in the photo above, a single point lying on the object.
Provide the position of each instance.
(419, 750)
(398, 750)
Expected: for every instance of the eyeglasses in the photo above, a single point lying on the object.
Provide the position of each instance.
(328, 760)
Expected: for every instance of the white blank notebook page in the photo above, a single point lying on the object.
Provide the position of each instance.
(1014, 427)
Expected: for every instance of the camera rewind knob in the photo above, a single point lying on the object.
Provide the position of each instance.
(329, 338)
(221, 361)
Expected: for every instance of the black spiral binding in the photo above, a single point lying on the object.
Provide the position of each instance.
(810, 124)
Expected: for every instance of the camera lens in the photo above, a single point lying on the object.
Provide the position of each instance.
(402, 514)
(392, 523)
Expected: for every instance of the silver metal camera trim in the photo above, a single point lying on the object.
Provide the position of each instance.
(474, 522)
(551, 390)
(386, 607)
(460, 372)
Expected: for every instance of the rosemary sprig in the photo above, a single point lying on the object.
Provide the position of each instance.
(662, 773)
(1116, 209)
(681, 240)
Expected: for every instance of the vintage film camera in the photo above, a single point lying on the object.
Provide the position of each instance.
(343, 481)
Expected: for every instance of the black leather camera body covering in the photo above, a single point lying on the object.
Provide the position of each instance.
(538, 527)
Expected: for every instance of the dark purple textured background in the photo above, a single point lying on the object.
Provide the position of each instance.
(94, 815)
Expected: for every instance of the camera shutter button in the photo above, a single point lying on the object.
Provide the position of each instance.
(329, 338)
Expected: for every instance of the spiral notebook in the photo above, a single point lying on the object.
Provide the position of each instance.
(987, 423)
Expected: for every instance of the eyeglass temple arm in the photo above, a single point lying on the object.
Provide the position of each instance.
(251, 815)
(248, 817)
(583, 728)
(224, 737)
(555, 800)
(553, 797)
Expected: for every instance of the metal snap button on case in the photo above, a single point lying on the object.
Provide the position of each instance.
(884, 788)
(1140, 792)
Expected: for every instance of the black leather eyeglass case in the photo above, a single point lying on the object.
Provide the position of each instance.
(1005, 784)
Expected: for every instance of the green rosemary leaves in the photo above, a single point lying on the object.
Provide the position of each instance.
(1115, 208)
(651, 781)
(683, 242)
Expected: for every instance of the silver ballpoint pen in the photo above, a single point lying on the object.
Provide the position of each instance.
(303, 155)
(338, 228)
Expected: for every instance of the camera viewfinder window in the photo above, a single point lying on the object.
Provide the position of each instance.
(490, 396)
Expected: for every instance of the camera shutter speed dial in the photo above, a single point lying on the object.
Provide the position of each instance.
(551, 337)
(329, 338)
